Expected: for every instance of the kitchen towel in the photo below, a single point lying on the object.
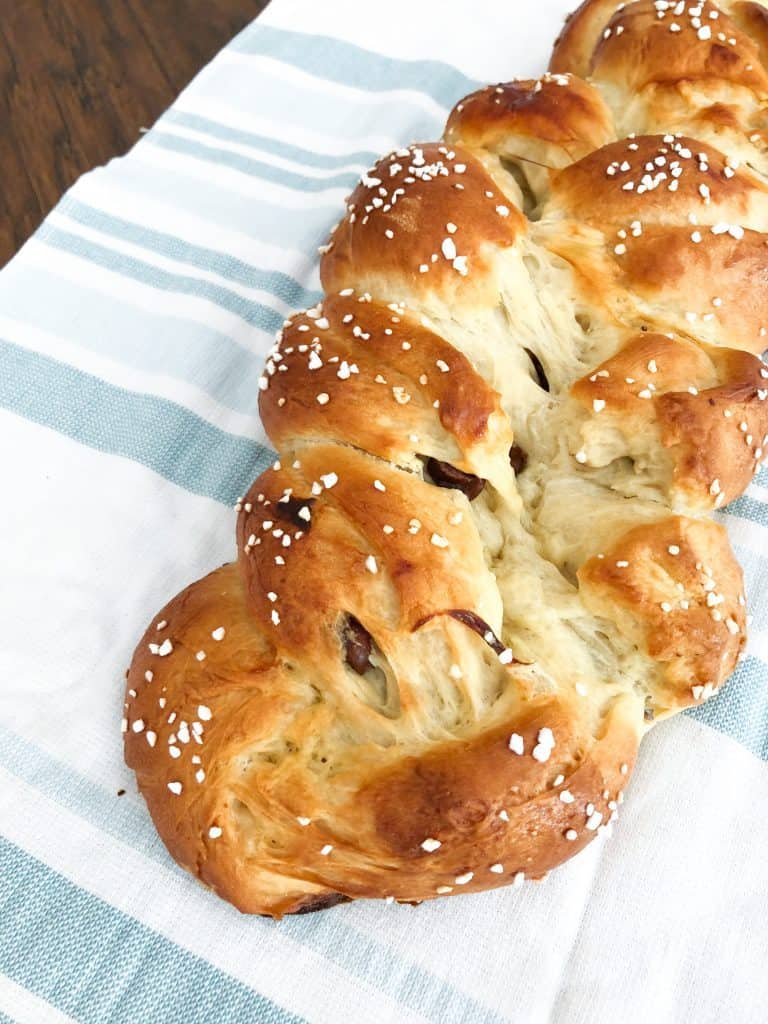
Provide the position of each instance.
(133, 327)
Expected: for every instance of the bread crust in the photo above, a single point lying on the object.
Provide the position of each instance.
(482, 566)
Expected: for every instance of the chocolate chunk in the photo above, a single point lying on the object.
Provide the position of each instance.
(357, 645)
(290, 508)
(480, 626)
(323, 903)
(445, 475)
(539, 369)
(518, 458)
(471, 619)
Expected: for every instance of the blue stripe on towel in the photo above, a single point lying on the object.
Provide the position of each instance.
(267, 143)
(339, 61)
(165, 437)
(282, 286)
(740, 710)
(153, 342)
(247, 165)
(127, 821)
(60, 942)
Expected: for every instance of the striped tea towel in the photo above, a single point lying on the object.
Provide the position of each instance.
(132, 332)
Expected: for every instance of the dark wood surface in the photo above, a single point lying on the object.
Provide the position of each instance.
(80, 78)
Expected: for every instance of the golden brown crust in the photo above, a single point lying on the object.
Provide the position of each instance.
(698, 68)
(552, 121)
(445, 216)
(708, 407)
(334, 363)
(710, 459)
(457, 794)
(694, 280)
(704, 287)
(462, 593)
(752, 18)
(179, 718)
(659, 179)
(691, 260)
(573, 48)
(648, 51)
(645, 42)
(674, 589)
(426, 562)
(250, 724)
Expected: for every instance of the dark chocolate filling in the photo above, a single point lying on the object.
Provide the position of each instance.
(445, 475)
(358, 645)
(538, 367)
(471, 619)
(323, 903)
(518, 458)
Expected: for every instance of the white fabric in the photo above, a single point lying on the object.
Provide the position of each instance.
(665, 922)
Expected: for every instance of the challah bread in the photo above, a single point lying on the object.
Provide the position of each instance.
(482, 567)
(663, 65)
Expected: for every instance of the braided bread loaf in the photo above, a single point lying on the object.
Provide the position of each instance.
(483, 565)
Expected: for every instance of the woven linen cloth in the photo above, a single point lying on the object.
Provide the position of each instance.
(133, 327)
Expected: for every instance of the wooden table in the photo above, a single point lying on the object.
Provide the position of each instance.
(79, 78)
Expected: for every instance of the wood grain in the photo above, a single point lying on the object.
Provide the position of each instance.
(80, 78)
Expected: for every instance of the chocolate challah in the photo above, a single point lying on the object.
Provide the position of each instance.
(483, 566)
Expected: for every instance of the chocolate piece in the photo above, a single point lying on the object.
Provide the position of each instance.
(323, 903)
(518, 458)
(471, 619)
(541, 376)
(445, 475)
(357, 645)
